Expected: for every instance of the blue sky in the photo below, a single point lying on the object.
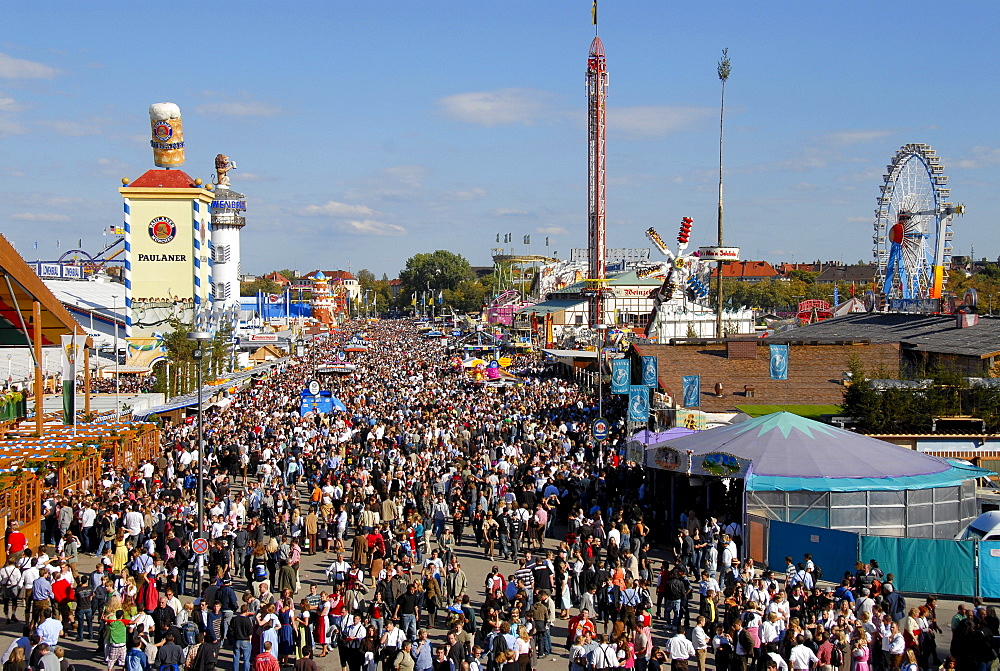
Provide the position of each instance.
(365, 132)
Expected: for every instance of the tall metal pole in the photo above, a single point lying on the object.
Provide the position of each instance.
(201, 451)
(114, 320)
(200, 338)
(723, 70)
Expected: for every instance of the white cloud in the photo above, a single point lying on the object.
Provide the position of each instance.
(39, 216)
(505, 212)
(371, 227)
(16, 68)
(980, 157)
(497, 108)
(68, 128)
(655, 120)
(251, 177)
(332, 208)
(803, 186)
(11, 127)
(467, 194)
(847, 137)
(8, 104)
(238, 108)
(553, 230)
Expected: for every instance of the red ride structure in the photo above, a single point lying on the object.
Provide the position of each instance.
(597, 91)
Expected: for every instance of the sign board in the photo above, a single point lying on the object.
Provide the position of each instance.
(72, 273)
(719, 253)
(199, 546)
(49, 270)
(600, 428)
(264, 337)
(314, 387)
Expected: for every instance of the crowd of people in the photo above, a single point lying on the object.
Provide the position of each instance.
(424, 471)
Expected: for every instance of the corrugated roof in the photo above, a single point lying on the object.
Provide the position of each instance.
(927, 333)
(549, 307)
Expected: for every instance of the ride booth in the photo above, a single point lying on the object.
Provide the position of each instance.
(801, 485)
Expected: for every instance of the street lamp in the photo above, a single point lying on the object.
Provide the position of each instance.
(200, 339)
(602, 330)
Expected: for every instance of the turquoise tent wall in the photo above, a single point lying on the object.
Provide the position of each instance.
(924, 565)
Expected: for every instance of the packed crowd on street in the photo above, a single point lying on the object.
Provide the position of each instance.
(425, 477)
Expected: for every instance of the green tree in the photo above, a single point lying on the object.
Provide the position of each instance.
(260, 284)
(468, 296)
(433, 272)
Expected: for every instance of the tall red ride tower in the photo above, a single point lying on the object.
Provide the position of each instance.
(597, 91)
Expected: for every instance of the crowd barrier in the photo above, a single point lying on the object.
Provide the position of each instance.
(919, 565)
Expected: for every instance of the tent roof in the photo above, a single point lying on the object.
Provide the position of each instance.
(790, 452)
(27, 287)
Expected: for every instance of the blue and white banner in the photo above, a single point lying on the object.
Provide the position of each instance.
(692, 391)
(649, 371)
(621, 376)
(779, 362)
(638, 403)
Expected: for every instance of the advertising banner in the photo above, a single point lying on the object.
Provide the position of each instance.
(638, 403)
(692, 390)
(779, 362)
(649, 371)
(72, 357)
(621, 376)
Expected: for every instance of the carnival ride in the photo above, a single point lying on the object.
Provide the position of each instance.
(913, 232)
(502, 308)
(685, 276)
(83, 263)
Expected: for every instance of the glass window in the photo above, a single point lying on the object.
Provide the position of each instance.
(920, 515)
(897, 532)
(886, 498)
(843, 499)
(946, 530)
(968, 509)
(946, 512)
(848, 517)
(884, 517)
(815, 517)
(769, 498)
(945, 494)
(807, 499)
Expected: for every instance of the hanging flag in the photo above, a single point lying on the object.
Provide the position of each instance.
(692, 390)
(441, 297)
(649, 371)
(621, 376)
(527, 239)
(413, 301)
(638, 403)
(498, 237)
(72, 355)
(593, 12)
(546, 241)
(779, 362)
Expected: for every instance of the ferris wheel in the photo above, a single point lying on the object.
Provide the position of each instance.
(913, 225)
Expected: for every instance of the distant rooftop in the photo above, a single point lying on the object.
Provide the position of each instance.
(928, 333)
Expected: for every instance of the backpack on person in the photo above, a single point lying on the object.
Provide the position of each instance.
(817, 573)
(190, 631)
(836, 656)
